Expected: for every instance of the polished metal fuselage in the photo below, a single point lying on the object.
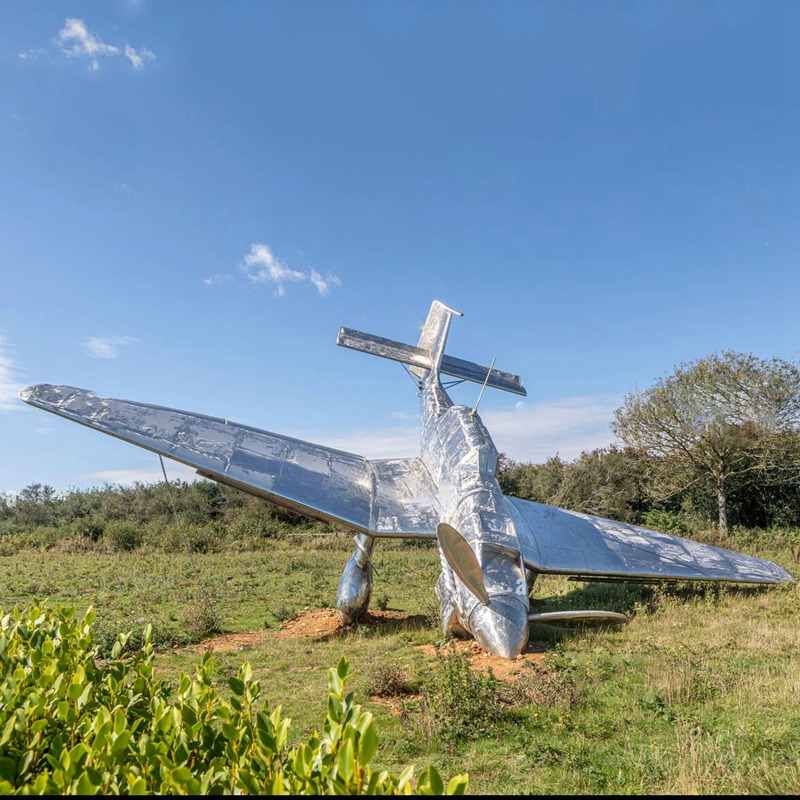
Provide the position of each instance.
(462, 459)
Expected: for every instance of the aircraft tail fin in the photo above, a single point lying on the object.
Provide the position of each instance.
(428, 355)
(433, 338)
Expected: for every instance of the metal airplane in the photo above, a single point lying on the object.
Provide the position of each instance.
(491, 546)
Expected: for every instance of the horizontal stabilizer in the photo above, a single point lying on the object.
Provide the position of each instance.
(385, 348)
(469, 371)
(420, 358)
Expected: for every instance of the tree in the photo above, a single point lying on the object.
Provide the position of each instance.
(719, 417)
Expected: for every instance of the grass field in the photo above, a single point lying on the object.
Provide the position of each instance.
(699, 693)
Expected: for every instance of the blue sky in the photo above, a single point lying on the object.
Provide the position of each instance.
(605, 189)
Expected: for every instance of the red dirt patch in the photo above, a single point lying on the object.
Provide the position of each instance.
(504, 669)
(226, 642)
(396, 705)
(321, 623)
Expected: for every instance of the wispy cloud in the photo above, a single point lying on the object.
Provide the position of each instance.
(33, 54)
(217, 280)
(530, 432)
(566, 425)
(391, 441)
(106, 346)
(138, 57)
(261, 265)
(75, 40)
(9, 375)
(125, 477)
(323, 284)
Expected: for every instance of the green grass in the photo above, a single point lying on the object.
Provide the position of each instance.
(699, 693)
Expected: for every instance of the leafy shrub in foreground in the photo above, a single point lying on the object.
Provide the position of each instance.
(73, 723)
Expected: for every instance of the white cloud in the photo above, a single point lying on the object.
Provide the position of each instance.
(77, 41)
(387, 442)
(9, 387)
(124, 477)
(530, 432)
(566, 425)
(138, 57)
(402, 415)
(216, 280)
(33, 54)
(261, 265)
(106, 346)
(323, 284)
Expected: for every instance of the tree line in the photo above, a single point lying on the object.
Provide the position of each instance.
(714, 444)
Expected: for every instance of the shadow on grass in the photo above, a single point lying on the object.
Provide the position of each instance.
(629, 599)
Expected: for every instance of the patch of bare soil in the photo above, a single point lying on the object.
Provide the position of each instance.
(504, 669)
(228, 642)
(321, 623)
(396, 705)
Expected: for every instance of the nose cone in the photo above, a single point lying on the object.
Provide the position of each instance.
(502, 626)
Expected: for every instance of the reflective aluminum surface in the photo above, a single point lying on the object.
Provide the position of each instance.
(453, 482)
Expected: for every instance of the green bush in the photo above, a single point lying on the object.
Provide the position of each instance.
(72, 723)
(668, 522)
(458, 703)
(123, 536)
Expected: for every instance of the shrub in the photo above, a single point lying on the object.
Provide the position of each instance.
(71, 723)
(122, 536)
(459, 703)
(386, 680)
(667, 522)
(201, 620)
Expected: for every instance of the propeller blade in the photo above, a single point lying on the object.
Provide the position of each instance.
(462, 560)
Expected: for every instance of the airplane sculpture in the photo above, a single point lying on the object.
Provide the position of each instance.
(491, 546)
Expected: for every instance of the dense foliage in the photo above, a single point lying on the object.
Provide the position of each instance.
(124, 518)
(71, 723)
(633, 486)
(718, 419)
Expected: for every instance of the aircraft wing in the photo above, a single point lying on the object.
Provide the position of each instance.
(392, 497)
(557, 541)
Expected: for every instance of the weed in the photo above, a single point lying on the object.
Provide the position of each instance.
(201, 621)
(386, 680)
(459, 704)
(543, 689)
(382, 601)
(284, 613)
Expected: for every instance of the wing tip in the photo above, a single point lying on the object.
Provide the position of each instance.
(44, 394)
